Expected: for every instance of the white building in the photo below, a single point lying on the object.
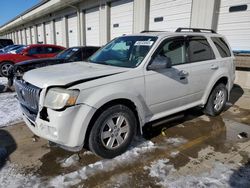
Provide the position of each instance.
(95, 22)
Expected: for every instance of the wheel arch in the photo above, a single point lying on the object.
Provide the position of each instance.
(123, 101)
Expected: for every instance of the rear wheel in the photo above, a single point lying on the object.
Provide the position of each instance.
(113, 131)
(216, 101)
(4, 68)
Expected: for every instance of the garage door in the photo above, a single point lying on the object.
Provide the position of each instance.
(33, 35)
(58, 31)
(121, 18)
(234, 23)
(92, 27)
(72, 30)
(24, 37)
(40, 35)
(168, 15)
(20, 37)
(48, 33)
(28, 36)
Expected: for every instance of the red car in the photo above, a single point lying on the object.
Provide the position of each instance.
(34, 51)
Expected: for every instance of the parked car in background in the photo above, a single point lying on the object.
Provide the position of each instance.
(72, 54)
(33, 51)
(9, 48)
(5, 42)
(130, 82)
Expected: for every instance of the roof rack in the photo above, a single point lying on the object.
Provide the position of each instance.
(148, 31)
(180, 29)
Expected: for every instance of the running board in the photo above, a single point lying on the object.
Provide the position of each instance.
(167, 120)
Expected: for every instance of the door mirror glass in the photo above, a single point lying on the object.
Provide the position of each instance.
(160, 62)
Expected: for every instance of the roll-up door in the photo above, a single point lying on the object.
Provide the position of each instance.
(33, 35)
(28, 36)
(72, 30)
(58, 31)
(92, 27)
(24, 37)
(168, 15)
(234, 23)
(48, 33)
(121, 18)
(40, 34)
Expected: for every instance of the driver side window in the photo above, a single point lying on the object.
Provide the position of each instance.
(174, 50)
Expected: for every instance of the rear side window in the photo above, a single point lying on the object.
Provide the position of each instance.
(199, 49)
(51, 50)
(221, 46)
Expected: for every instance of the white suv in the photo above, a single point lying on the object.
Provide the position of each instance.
(131, 81)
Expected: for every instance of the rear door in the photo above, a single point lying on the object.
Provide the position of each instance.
(202, 64)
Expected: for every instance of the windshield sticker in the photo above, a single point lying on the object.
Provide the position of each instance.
(144, 43)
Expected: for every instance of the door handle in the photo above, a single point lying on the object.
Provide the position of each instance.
(214, 67)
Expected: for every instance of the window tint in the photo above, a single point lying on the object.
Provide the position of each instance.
(222, 46)
(175, 50)
(36, 50)
(199, 49)
(77, 56)
(51, 50)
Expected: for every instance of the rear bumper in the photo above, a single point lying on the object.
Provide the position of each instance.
(67, 128)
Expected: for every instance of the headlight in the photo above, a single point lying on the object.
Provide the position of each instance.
(58, 98)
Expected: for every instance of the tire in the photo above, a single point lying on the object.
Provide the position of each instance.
(110, 137)
(4, 68)
(216, 101)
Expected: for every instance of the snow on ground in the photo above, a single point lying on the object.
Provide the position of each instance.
(9, 109)
(220, 175)
(3, 81)
(128, 157)
(9, 177)
(176, 141)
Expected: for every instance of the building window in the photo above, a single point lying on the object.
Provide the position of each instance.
(238, 8)
(158, 19)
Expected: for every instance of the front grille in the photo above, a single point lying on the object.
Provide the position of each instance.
(28, 96)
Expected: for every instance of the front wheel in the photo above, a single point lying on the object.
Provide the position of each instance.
(4, 68)
(216, 101)
(113, 131)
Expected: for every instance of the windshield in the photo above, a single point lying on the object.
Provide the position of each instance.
(65, 54)
(127, 51)
(19, 50)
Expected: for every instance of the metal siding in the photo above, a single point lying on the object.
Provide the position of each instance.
(92, 27)
(175, 14)
(48, 33)
(58, 31)
(72, 30)
(121, 14)
(235, 25)
(20, 37)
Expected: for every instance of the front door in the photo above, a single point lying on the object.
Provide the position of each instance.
(167, 88)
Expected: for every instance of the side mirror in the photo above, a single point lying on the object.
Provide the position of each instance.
(160, 62)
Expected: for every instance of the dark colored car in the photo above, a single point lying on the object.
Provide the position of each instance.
(5, 42)
(72, 54)
(33, 51)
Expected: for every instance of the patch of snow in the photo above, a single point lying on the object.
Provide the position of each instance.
(176, 141)
(128, 157)
(72, 160)
(174, 154)
(9, 177)
(3, 81)
(9, 109)
(221, 175)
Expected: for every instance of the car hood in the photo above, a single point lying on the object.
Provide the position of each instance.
(4, 56)
(69, 74)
